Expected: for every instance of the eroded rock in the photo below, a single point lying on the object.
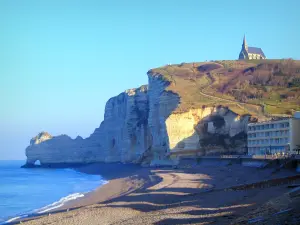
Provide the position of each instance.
(140, 127)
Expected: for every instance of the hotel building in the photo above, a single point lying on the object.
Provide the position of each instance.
(274, 136)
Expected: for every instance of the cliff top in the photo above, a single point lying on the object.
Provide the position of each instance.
(262, 88)
(42, 136)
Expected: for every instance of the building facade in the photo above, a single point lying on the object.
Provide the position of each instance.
(251, 52)
(271, 137)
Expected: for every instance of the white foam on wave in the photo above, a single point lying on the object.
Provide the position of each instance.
(54, 205)
(14, 218)
(60, 203)
(63, 200)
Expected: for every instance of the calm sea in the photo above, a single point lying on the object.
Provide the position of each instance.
(25, 191)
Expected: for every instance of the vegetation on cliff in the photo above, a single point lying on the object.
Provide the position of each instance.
(262, 88)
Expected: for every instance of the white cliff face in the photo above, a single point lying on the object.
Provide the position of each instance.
(139, 126)
(193, 130)
(59, 149)
(161, 105)
(123, 136)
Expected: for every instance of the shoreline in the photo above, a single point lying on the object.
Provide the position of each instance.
(124, 182)
(149, 195)
(115, 185)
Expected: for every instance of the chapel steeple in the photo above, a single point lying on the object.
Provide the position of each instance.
(249, 53)
(245, 46)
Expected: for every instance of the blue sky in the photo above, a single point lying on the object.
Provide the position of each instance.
(61, 60)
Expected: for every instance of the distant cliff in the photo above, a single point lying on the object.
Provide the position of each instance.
(148, 124)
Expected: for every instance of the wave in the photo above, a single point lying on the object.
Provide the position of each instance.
(47, 208)
(13, 219)
(60, 202)
(54, 205)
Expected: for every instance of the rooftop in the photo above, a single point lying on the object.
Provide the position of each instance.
(269, 121)
(296, 116)
(255, 50)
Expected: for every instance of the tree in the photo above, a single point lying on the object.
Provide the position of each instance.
(297, 149)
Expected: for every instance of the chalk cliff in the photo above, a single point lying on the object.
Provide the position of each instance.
(140, 126)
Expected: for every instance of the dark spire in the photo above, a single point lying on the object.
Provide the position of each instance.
(245, 46)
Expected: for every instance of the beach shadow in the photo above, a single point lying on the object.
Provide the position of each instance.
(184, 221)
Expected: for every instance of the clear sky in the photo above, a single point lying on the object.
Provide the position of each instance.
(61, 60)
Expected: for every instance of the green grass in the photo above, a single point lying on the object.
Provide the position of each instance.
(230, 83)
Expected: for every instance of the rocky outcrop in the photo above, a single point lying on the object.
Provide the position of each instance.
(209, 130)
(140, 127)
(54, 150)
(122, 136)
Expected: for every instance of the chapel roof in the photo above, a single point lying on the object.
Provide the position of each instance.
(255, 50)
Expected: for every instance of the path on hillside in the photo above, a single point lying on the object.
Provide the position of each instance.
(241, 105)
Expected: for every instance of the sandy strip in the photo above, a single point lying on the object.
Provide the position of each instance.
(136, 195)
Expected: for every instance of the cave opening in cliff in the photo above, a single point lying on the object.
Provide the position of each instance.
(218, 121)
(37, 163)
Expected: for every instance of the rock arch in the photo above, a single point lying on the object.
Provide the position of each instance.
(37, 163)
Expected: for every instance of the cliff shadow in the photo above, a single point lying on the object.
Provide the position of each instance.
(163, 106)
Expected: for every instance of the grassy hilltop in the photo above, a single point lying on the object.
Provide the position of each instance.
(262, 88)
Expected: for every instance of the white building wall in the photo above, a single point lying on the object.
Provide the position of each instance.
(269, 137)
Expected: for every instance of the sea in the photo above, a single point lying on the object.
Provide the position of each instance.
(37, 190)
